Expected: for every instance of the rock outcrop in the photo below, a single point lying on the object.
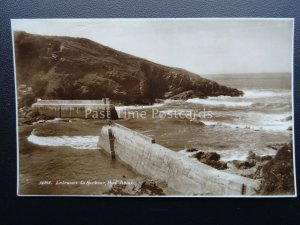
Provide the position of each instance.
(138, 187)
(210, 158)
(278, 173)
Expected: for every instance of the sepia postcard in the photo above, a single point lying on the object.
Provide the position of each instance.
(196, 107)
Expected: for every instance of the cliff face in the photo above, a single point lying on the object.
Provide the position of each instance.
(77, 68)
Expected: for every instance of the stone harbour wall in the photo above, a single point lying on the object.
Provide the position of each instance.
(185, 175)
(88, 109)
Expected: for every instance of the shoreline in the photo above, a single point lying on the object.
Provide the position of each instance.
(63, 126)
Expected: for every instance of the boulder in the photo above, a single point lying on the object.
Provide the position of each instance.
(244, 164)
(211, 159)
(191, 150)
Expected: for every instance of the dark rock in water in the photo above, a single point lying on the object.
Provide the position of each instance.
(276, 146)
(278, 173)
(284, 153)
(213, 156)
(150, 187)
(117, 189)
(199, 155)
(191, 150)
(207, 156)
(266, 158)
(188, 94)
(253, 156)
(28, 117)
(252, 167)
(211, 159)
(244, 164)
(217, 164)
(138, 187)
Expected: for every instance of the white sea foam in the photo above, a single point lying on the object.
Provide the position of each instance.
(167, 101)
(57, 120)
(234, 154)
(210, 123)
(265, 93)
(177, 112)
(78, 142)
(264, 121)
(137, 107)
(218, 101)
(230, 155)
(40, 121)
(248, 99)
(257, 121)
(268, 127)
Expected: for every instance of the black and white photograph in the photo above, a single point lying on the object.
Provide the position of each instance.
(199, 107)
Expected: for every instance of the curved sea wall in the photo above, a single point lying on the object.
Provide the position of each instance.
(184, 174)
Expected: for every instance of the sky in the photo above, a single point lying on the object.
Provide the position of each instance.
(202, 46)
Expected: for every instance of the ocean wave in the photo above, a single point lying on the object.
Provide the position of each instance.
(137, 107)
(257, 121)
(218, 101)
(242, 155)
(249, 99)
(235, 154)
(210, 123)
(256, 93)
(275, 106)
(78, 142)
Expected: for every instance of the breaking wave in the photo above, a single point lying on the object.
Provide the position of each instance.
(137, 107)
(258, 121)
(234, 154)
(264, 93)
(217, 101)
(77, 142)
(250, 98)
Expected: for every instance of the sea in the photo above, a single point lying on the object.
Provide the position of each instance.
(53, 154)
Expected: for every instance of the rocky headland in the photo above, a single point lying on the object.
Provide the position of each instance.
(55, 67)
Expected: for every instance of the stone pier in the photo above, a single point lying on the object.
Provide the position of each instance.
(185, 175)
(88, 109)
